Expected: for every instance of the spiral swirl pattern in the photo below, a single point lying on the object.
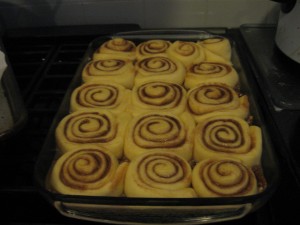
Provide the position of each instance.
(209, 71)
(88, 171)
(158, 175)
(159, 68)
(156, 65)
(210, 97)
(186, 52)
(226, 135)
(165, 132)
(152, 47)
(106, 67)
(85, 169)
(111, 69)
(212, 94)
(212, 69)
(100, 95)
(157, 170)
(185, 48)
(117, 45)
(159, 131)
(160, 95)
(223, 178)
(89, 127)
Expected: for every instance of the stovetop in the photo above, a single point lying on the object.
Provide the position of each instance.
(278, 77)
(44, 62)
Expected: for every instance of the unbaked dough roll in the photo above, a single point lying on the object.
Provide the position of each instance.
(111, 69)
(211, 72)
(186, 52)
(228, 137)
(218, 47)
(152, 48)
(159, 175)
(160, 131)
(117, 46)
(158, 97)
(100, 95)
(223, 178)
(96, 128)
(213, 57)
(88, 171)
(212, 99)
(158, 68)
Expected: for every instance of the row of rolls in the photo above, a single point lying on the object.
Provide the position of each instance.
(157, 138)
(181, 62)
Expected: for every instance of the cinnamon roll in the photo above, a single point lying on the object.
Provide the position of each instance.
(159, 175)
(186, 52)
(158, 68)
(228, 137)
(211, 72)
(212, 99)
(111, 69)
(158, 97)
(152, 48)
(117, 46)
(216, 49)
(110, 96)
(88, 171)
(223, 178)
(96, 128)
(160, 131)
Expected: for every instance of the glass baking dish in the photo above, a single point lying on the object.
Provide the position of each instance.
(125, 210)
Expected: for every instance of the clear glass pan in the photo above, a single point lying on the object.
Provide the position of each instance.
(125, 210)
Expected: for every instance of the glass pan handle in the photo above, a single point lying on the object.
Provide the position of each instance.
(132, 214)
(166, 34)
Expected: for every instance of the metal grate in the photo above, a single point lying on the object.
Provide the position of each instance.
(43, 68)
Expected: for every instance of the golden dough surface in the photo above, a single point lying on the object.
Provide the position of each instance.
(166, 115)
